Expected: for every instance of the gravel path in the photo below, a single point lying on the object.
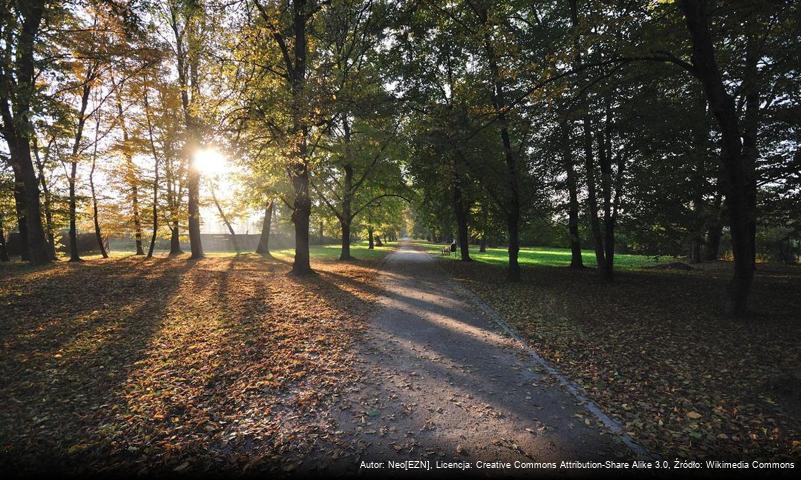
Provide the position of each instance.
(441, 383)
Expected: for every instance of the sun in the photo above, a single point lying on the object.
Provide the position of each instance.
(209, 162)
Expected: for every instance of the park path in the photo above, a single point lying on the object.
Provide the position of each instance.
(441, 382)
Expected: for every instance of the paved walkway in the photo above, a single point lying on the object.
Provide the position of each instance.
(442, 383)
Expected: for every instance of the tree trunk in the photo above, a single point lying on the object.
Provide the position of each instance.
(175, 239)
(299, 172)
(714, 231)
(300, 218)
(737, 179)
(22, 222)
(187, 80)
(345, 251)
(461, 211)
(370, 239)
(3, 250)
(155, 212)
(512, 204)
(700, 152)
(16, 130)
(49, 229)
(263, 248)
(225, 221)
(193, 186)
(155, 175)
(98, 234)
(131, 177)
(605, 160)
(76, 145)
(347, 205)
(74, 256)
(750, 124)
(38, 251)
(576, 262)
(592, 198)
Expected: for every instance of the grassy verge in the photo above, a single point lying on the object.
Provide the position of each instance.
(545, 256)
(654, 350)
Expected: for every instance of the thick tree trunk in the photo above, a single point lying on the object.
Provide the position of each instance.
(263, 248)
(576, 261)
(49, 228)
(300, 218)
(345, 251)
(512, 222)
(605, 160)
(737, 178)
(22, 222)
(3, 250)
(714, 231)
(299, 172)
(16, 129)
(175, 239)
(370, 239)
(37, 249)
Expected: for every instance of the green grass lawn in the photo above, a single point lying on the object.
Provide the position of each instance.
(358, 250)
(545, 256)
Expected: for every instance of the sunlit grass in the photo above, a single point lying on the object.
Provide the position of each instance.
(545, 256)
(358, 250)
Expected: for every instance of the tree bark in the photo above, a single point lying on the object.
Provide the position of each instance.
(175, 239)
(696, 15)
(155, 176)
(95, 217)
(49, 229)
(576, 261)
(347, 207)
(37, 249)
(512, 203)
(592, 197)
(345, 252)
(461, 218)
(370, 240)
(263, 248)
(187, 80)
(19, 204)
(714, 231)
(3, 250)
(605, 161)
(300, 170)
(17, 128)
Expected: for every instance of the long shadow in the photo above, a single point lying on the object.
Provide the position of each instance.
(64, 402)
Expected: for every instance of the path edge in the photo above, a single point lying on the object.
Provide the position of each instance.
(573, 388)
